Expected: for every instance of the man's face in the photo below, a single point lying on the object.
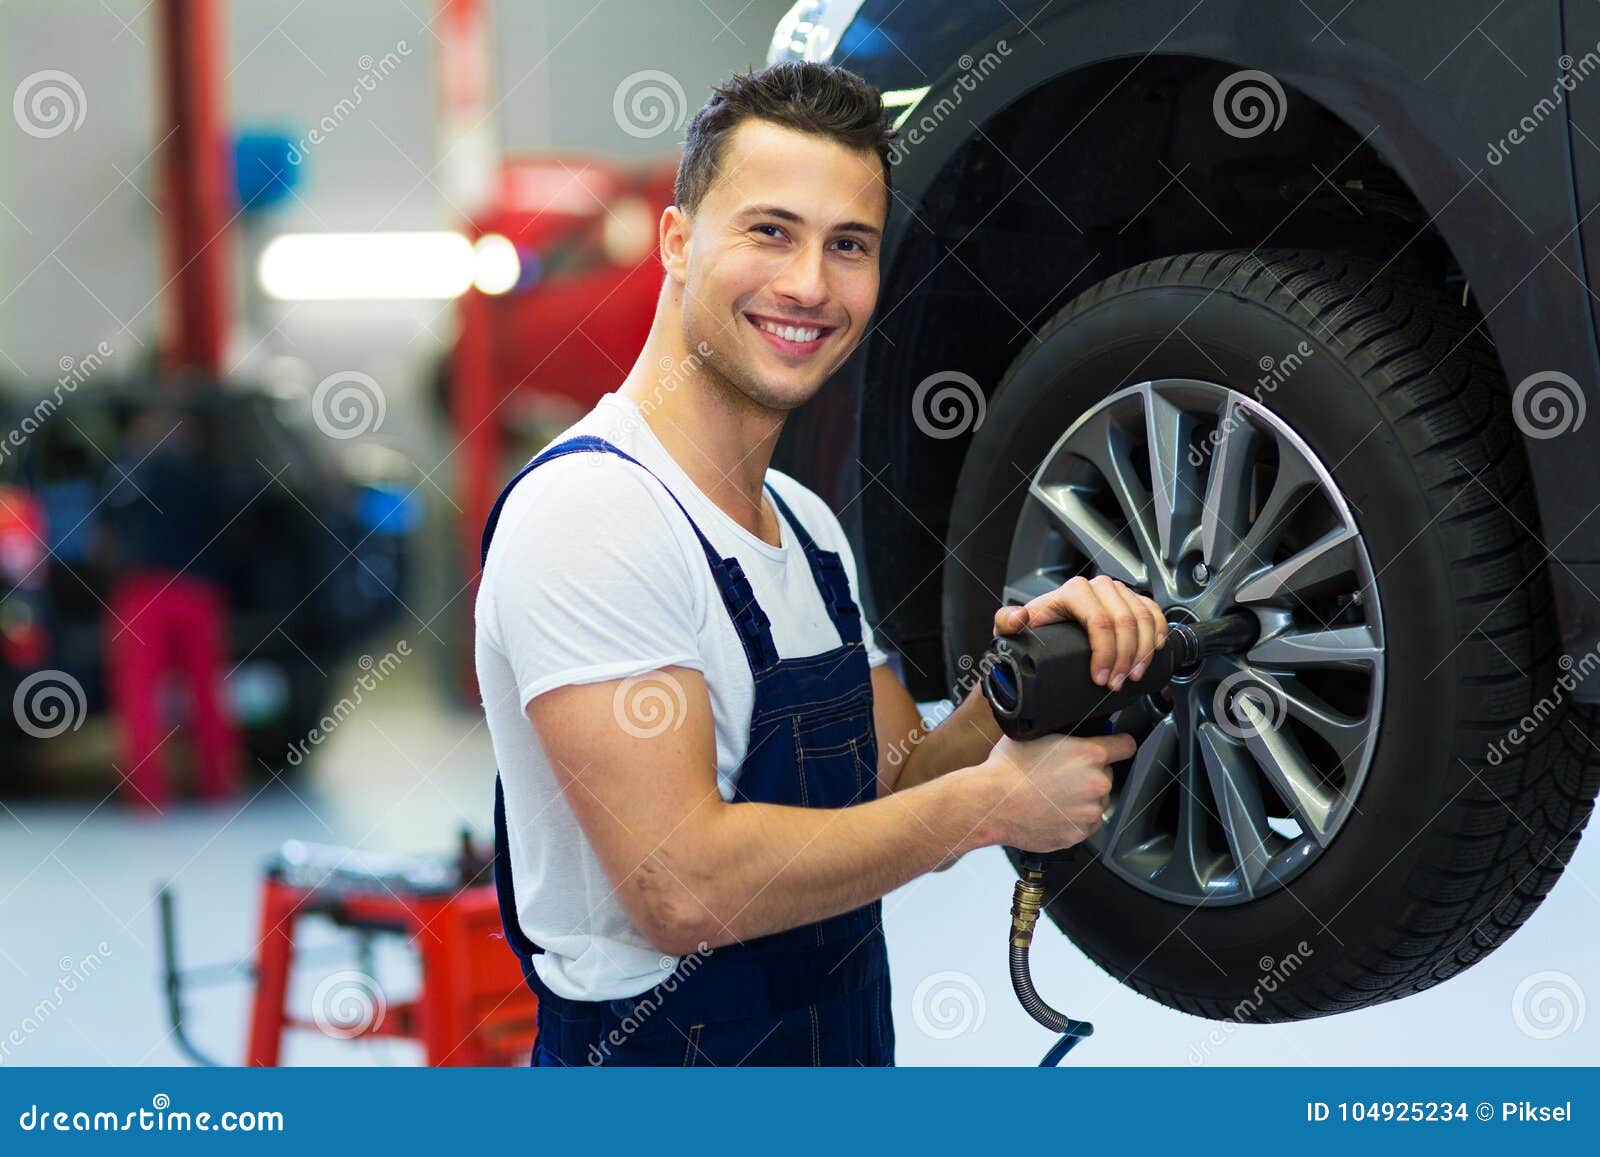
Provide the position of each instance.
(780, 275)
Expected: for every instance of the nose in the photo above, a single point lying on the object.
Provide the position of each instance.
(803, 279)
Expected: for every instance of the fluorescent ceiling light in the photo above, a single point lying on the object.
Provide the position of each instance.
(366, 266)
(496, 267)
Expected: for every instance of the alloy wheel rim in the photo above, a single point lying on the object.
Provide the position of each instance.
(1204, 499)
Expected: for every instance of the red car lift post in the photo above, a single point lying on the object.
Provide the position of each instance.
(195, 190)
(474, 1007)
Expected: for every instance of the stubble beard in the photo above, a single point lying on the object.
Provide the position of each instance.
(735, 379)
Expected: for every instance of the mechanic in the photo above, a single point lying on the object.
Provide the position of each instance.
(709, 774)
(167, 609)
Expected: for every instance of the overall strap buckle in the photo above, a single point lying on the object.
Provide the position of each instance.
(750, 621)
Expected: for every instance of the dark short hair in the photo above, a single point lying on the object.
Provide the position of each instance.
(805, 96)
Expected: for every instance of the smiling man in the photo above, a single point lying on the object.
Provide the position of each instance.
(709, 775)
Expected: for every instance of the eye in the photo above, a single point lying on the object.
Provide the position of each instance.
(855, 246)
(768, 230)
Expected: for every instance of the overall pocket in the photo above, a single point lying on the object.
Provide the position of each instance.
(830, 761)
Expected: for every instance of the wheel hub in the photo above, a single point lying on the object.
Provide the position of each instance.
(1200, 496)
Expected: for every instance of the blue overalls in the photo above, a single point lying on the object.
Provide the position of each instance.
(813, 995)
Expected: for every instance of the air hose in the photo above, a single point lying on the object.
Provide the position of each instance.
(1038, 683)
(1026, 901)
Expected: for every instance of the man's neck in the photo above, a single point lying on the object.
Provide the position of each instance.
(721, 439)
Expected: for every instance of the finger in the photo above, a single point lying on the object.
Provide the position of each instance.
(1067, 601)
(1010, 620)
(1145, 624)
(1116, 748)
(1144, 631)
(1092, 609)
(1125, 628)
(1078, 600)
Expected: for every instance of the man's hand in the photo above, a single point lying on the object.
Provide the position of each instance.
(1125, 628)
(1054, 790)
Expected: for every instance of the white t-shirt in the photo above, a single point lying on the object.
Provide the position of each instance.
(595, 574)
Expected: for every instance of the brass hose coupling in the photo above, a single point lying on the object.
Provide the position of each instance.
(1026, 901)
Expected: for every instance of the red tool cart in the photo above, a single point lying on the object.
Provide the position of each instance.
(473, 1007)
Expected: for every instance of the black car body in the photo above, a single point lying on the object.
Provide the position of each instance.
(1289, 253)
(314, 559)
(1433, 134)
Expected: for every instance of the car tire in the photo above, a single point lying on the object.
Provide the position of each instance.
(1456, 835)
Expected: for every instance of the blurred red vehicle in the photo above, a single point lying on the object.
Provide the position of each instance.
(23, 641)
(566, 289)
(568, 245)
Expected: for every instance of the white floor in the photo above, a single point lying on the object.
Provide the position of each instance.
(79, 972)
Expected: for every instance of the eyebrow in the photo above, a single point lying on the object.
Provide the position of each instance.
(790, 215)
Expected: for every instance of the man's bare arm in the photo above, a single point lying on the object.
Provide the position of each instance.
(908, 752)
(689, 868)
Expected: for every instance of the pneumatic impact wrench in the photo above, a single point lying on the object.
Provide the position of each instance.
(1039, 683)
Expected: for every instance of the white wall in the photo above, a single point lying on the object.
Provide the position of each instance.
(78, 251)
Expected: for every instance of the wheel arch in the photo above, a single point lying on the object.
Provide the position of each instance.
(996, 228)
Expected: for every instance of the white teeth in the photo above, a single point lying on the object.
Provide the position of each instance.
(791, 332)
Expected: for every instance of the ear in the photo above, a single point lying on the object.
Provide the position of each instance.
(674, 236)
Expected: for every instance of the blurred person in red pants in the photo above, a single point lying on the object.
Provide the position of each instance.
(167, 610)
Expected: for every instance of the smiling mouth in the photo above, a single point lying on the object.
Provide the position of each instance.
(790, 337)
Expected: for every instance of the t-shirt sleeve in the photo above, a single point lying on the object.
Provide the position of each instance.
(588, 578)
